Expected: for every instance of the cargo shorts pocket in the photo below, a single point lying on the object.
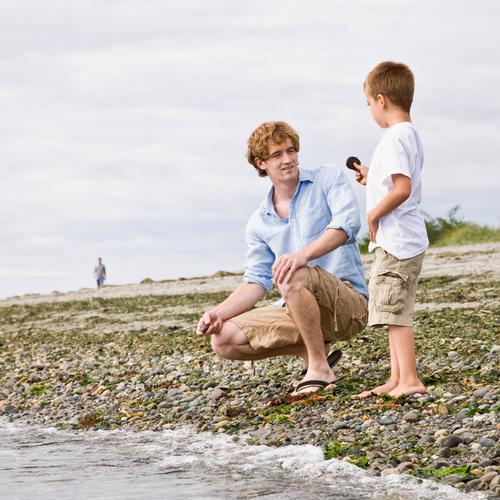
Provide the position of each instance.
(389, 291)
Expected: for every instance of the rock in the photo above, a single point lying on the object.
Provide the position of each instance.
(412, 416)
(217, 394)
(442, 409)
(405, 466)
(453, 354)
(441, 433)
(486, 443)
(488, 477)
(340, 425)
(388, 472)
(444, 452)
(452, 479)
(472, 484)
(451, 441)
(385, 420)
(479, 393)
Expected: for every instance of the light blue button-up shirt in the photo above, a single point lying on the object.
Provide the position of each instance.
(323, 200)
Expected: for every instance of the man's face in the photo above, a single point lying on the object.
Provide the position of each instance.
(282, 164)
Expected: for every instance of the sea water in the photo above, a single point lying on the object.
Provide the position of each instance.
(45, 463)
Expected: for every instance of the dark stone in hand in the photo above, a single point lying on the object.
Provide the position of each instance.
(351, 161)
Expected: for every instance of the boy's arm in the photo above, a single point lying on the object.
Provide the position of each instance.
(398, 194)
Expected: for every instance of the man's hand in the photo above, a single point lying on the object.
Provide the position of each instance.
(286, 265)
(361, 173)
(209, 324)
(372, 226)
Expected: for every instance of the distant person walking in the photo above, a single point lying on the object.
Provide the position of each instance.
(100, 272)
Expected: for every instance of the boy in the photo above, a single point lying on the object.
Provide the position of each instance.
(397, 232)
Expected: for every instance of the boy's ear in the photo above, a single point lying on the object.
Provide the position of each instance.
(381, 100)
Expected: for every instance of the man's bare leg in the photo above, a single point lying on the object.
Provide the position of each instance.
(304, 310)
(232, 343)
(404, 345)
(393, 379)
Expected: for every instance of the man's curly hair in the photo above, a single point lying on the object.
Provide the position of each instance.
(263, 135)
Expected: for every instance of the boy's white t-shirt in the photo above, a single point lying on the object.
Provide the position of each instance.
(402, 232)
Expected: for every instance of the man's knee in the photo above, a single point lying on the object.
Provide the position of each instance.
(223, 343)
(298, 283)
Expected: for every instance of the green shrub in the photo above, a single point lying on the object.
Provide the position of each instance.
(451, 230)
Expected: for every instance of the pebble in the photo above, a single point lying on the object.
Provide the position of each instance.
(412, 416)
(479, 393)
(154, 387)
(488, 477)
(451, 441)
(487, 442)
(387, 421)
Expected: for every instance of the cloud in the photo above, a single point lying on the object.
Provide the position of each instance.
(125, 123)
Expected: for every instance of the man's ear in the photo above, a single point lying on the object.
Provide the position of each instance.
(261, 165)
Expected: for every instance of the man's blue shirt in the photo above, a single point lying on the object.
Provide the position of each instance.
(323, 200)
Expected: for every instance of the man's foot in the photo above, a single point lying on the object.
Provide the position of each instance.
(381, 389)
(308, 387)
(332, 359)
(407, 390)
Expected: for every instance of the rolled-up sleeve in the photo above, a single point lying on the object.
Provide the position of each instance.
(259, 260)
(342, 203)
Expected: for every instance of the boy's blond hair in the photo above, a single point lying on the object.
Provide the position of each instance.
(394, 81)
(263, 135)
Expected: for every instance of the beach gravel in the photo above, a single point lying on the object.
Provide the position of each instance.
(127, 358)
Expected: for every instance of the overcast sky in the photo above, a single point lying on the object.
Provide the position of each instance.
(124, 123)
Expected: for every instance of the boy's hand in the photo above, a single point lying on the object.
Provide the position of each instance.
(286, 264)
(372, 226)
(209, 324)
(361, 173)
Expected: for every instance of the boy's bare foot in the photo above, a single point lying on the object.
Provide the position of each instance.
(407, 390)
(381, 389)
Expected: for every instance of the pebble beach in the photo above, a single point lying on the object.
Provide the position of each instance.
(126, 357)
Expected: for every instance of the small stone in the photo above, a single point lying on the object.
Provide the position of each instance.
(442, 409)
(472, 484)
(495, 481)
(388, 472)
(340, 425)
(440, 433)
(412, 416)
(444, 452)
(451, 441)
(217, 393)
(488, 477)
(453, 354)
(486, 443)
(479, 393)
(387, 421)
(452, 479)
(405, 466)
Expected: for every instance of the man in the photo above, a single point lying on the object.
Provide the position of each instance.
(100, 272)
(303, 236)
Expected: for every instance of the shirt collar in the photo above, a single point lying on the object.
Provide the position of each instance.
(304, 176)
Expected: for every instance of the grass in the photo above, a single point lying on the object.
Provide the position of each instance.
(451, 230)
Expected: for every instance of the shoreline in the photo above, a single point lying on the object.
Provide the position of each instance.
(126, 357)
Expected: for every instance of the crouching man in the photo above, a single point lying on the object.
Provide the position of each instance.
(302, 237)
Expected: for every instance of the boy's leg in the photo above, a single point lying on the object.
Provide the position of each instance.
(404, 344)
(393, 381)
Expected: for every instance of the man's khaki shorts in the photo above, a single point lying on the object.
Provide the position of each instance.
(344, 313)
(393, 287)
